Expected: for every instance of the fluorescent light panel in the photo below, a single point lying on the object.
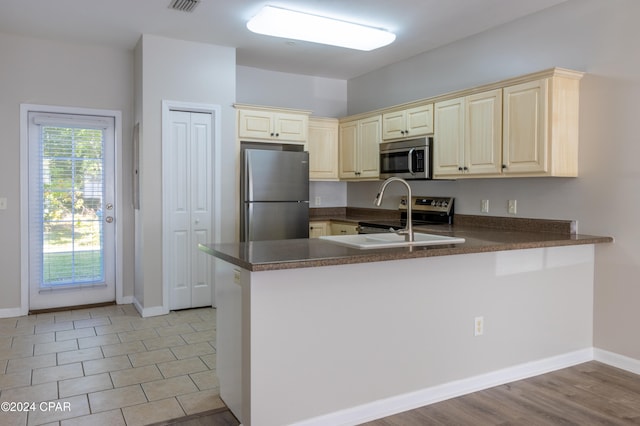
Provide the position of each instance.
(278, 22)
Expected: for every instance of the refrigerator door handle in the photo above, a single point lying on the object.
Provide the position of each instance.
(248, 220)
(248, 177)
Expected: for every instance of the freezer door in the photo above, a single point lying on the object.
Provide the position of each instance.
(276, 175)
(276, 221)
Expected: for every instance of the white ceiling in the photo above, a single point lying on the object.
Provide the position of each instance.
(420, 25)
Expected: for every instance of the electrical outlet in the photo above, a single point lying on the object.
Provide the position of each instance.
(485, 206)
(512, 206)
(318, 201)
(237, 276)
(478, 326)
(3, 203)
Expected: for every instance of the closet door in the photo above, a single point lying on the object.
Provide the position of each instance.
(188, 205)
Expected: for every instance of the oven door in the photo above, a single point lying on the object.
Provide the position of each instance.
(407, 162)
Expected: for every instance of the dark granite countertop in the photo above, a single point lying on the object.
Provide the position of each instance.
(306, 253)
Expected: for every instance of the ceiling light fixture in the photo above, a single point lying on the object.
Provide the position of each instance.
(278, 22)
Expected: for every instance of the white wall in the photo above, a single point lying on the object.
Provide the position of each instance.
(39, 71)
(176, 70)
(332, 194)
(594, 36)
(324, 97)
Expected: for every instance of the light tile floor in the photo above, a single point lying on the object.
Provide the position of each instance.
(107, 366)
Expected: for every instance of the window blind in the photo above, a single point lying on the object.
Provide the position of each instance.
(66, 193)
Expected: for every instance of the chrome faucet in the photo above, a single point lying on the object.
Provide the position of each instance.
(408, 230)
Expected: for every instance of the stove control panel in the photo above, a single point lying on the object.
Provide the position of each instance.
(428, 204)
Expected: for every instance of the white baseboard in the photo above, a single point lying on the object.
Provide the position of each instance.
(125, 300)
(615, 360)
(12, 312)
(149, 312)
(410, 401)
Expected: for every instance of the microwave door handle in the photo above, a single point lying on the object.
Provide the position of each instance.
(410, 158)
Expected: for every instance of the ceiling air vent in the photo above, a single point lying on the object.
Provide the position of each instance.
(184, 5)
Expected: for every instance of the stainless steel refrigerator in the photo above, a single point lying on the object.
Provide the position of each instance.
(274, 195)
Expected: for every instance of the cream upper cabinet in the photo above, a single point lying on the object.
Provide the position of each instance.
(359, 148)
(525, 129)
(323, 148)
(541, 127)
(483, 133)
(528, 128)
(272, 125)
(448, 143)
(468, 136)
(416, 121)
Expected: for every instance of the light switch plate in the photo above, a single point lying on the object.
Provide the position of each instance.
(3, 203)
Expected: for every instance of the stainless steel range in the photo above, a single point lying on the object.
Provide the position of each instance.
(425, 211)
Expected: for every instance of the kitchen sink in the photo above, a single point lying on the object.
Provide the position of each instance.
(390, 239)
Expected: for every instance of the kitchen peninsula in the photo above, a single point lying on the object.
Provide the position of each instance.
(311, 332)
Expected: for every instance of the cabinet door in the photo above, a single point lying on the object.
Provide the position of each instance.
(448, 144)
(370, 130)
(348, 150)
(317, 229)
(255, 124)
(525, 128)
(483, 133)
(393, 125)
(291, 127)
(419, 121)
(339, 228)
(323, 149)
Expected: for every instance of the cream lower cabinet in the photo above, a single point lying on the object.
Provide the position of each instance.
(343, 228)
(540, 134)
(416, 121)
(323, 149)
(319, 228)
(468, 136)
(359, 148)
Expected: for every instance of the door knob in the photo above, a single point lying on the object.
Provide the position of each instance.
(109, 206)
(109, 219)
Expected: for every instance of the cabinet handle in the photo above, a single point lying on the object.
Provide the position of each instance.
(465, 168)
(459, 169)
(272, 134)
(504, 166)
(277, 135)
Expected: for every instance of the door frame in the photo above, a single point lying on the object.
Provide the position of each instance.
(25, 109)
(216, 141)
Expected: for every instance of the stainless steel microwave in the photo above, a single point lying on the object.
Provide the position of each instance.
(406, 159)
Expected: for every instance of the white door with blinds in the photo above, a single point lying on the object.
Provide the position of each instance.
(188, 209)
(71, 210)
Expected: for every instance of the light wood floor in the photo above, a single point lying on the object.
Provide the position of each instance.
(587, 394)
